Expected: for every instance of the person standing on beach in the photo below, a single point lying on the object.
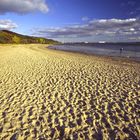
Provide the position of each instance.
(121, 50)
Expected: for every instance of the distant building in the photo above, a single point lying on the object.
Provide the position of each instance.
(86, 42)
(102, 41)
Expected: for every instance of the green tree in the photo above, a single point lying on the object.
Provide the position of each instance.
(16, 39)
(41, 40)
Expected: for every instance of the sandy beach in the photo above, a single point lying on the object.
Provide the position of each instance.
(50, 94)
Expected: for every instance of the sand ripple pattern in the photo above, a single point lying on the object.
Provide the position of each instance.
(48, 94)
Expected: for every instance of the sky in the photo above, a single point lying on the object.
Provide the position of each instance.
(73, 20)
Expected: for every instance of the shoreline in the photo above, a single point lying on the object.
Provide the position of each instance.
(123, 58)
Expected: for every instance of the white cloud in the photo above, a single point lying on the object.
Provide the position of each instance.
(107, 28)
(7, 25)
(85, 18)
(22, 6)
(137, 38)
(113, 21)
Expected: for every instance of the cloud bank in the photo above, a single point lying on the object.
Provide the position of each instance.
(22, 6)
(108, 28)
(7, 25)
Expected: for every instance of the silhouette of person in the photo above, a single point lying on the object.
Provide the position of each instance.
(121, 50)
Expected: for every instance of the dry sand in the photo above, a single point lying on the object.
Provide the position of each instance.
(49, 94)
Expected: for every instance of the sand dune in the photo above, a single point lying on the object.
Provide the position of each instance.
(49, 94)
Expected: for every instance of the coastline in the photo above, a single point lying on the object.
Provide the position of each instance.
(123, 58)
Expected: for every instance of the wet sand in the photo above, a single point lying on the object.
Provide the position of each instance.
(50, 94)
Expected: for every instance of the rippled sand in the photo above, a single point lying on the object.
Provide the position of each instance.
(49, 94)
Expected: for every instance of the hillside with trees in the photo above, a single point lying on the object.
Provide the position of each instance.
(8, 37)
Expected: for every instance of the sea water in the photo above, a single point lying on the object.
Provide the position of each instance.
(116, 50)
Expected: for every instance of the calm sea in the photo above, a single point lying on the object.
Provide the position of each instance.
(119, 50)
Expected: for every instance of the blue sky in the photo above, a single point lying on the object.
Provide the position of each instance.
(73, 20)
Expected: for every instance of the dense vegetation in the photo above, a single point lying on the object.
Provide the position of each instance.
(7, 37)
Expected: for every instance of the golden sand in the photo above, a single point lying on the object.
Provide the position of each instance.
(49, 94)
